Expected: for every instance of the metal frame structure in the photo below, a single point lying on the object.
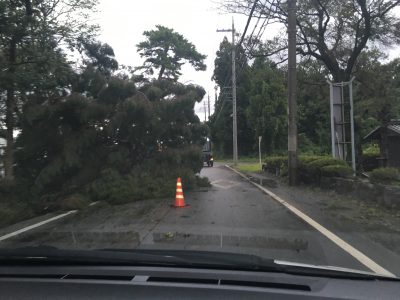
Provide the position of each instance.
(339, 126)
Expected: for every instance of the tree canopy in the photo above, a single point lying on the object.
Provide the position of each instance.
(166, 51)
(333, 32)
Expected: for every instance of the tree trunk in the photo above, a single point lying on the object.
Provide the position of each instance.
(10, 109)
(162, 70)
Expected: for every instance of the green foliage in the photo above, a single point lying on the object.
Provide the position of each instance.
(12, 208)
(221, 122)
(371, 149)
(274, 163)
(202, 181)
(325, 161)
(143, 145)
(166, 50)
(336, 171)
(311, 167)
(75, 201)
(154, 178)
(267, 111)
(385, 175)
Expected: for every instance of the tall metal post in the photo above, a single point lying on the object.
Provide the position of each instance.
(353, 148)
(234, 115)
(235, 145)
(259, 149)
(209, 109)
(292, 88)
(205, 111)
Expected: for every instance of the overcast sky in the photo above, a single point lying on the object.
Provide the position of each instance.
(123, 22)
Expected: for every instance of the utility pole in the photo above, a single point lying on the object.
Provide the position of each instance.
(259, 149)
(216, 96)
(292, 97)
(205, 111)
(234, 115)
(209, 109)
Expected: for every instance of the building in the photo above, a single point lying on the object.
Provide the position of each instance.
(390, 133)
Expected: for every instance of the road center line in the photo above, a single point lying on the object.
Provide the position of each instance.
(15, 233)
(361, 257)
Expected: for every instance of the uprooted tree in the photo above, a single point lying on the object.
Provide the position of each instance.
(81, 127)
(32, 36)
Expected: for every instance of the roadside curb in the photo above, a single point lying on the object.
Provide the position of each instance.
(358, 255)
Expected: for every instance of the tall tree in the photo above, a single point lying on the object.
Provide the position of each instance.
(166, 51)
(221, 121)
(334, 32)
(267, 110)
(33, 35)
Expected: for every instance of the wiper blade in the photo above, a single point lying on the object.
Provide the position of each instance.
(175, 258)
(134, 257)
(210, 259)
(52, 255)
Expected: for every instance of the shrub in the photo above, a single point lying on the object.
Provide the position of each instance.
(311, 171)
(274, 163)
(336, 171)
(145, 181)
(76, 201)
(326, 161)
(384, 175)
(202, 181)
(311, 167)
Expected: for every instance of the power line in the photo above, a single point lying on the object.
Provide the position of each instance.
(248, 22)
(252, 42)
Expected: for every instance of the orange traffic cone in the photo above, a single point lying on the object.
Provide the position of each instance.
(179, 199)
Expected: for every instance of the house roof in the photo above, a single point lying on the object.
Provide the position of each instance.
(394, 127)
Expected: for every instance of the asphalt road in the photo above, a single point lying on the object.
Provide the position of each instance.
(232, 216)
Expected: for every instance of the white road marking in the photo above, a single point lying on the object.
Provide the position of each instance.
(224, 184)
(15, 233)
(361, 257)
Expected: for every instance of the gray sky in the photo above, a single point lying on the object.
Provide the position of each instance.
(123, 22)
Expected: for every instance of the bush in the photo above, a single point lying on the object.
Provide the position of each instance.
(325, 161)
(311, 167)
(311, 170)
(384, 175)
(336, 171)
(275, 163)
(76, 201)
(146, 181)
(202, 181)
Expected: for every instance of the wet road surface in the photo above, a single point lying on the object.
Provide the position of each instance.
(232, 215)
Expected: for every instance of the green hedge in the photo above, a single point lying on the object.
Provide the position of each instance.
(336, 171)
(311, 168)
(385, 175)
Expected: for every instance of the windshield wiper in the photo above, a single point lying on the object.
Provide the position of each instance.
(172, 258)
(176, 258)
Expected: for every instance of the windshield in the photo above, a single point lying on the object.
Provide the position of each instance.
(269, 128)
